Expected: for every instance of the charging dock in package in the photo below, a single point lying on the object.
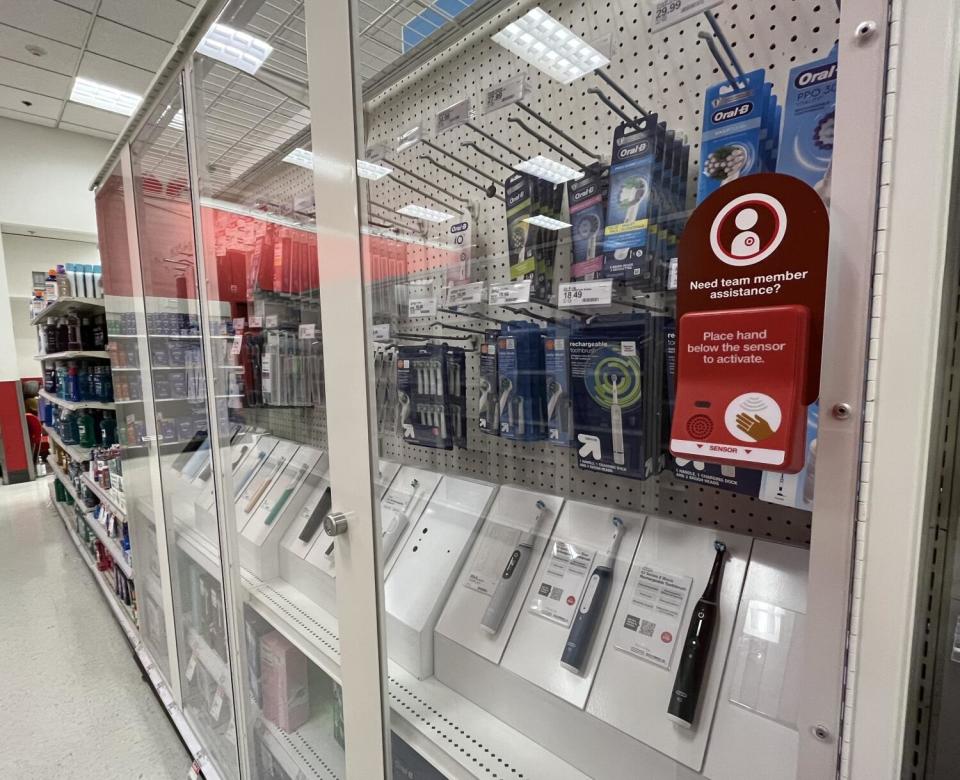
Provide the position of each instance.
(741, 376)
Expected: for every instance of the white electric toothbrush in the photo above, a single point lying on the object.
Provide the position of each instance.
(616, 424)
(392, 533)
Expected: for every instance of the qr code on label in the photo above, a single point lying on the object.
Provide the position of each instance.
(647, 627)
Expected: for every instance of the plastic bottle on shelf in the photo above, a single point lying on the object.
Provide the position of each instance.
(86, 429)
(99, 332)
(108, 429)
(97, 278)
(106, 384)
(74, 338)
(73, 382)
(73, 276)
(63, 335)
(61, 378)
(85, 382)
(86, 333)
(63, 282)
(36, 304)
(50, 287)
(69, 431)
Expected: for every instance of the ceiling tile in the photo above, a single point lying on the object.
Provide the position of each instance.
(40, 105)
(126, 45)
(86, 130)
(162, 18)
(48, 18)
(31, 118)
(83, 5)
(116, 74)
(94, 118)
(43, 82)
(58, 57)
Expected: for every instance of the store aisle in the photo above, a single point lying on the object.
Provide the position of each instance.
(72, 701)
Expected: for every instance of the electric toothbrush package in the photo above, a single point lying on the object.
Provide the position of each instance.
(559, 412)
(521, 381)
(532, 249)
(422, 396)
(488, 413)
(740, 129)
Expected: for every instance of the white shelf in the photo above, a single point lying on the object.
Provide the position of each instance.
(310, 751)
(105, 497)
(90, 354)
(65, 305)
(75, 451)
(74, 405)
(121, 613)
(112, 545)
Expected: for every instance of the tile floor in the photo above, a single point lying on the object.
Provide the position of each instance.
(72, 701)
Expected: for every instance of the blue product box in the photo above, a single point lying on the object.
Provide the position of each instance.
(488, 414)
(733, 132)
(521, 385)
(806, 149)
(556, 361)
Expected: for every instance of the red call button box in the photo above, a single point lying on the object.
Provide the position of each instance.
(740, 384)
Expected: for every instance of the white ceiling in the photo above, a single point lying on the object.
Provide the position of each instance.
(117, 42)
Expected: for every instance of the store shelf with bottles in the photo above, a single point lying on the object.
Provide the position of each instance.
(68, 305)
(106, 497)
(75, 451)
(75, 405)
(87, 354)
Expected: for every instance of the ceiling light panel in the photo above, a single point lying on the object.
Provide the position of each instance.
(235, 47)
(549, 170)
(372, 170)
(300, 157)
(538, 38)
(92, 93)
(422, 212)
(547, 222)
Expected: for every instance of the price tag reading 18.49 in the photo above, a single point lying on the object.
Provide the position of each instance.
(598, 293)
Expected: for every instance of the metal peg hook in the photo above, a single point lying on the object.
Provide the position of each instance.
(425, 181)
(471, 315)
(718, 31)
(421, 193)
(610, 104)
(485, 153)
(543, 140)
(464, 163)
(447, 326)
(555, 129)
(708, 39)
(493, 140)
(621, 92)
(490, 192)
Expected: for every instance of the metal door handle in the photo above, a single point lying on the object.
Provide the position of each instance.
(335, 524)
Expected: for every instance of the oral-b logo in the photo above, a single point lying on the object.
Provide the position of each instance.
(816, 76)
(726, 114)
(515, 198)
(630, 151)
(584, 193)
(459, 227)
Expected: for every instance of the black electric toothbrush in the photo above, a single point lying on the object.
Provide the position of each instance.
(696, 648)
(591, 605)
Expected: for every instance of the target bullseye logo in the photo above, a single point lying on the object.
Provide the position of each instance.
(748, 229)
(699, 426)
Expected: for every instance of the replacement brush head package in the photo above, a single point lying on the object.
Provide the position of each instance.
(586, 198)
(806, 149)
(456, 371)
(488, 406)
(521, 235)
(521, 385)
(422, 414)
(626, 253)
(733, 132)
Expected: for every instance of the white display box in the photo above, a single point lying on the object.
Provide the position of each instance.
(537, 644)
(616, 698)
(265, 477)
(260, 538)
(760, 693)
(513, 512)
(426, 567)
(401, 507)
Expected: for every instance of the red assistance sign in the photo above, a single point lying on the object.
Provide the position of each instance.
(739, 394)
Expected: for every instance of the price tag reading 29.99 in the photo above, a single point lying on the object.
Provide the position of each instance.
(598, 293)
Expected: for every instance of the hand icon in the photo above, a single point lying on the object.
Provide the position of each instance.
(755, 427)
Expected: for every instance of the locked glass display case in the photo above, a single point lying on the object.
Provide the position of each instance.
(470, 381)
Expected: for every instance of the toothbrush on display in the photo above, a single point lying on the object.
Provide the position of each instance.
(393, 532)
(696, 648)
(285, 496)
(509, 583)
(255, 498)
(591, 605)
(616, 425)
(316, 517)
(242, 483)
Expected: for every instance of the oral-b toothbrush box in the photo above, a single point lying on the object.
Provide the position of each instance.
(732, 142)
(549, 203)
(625, 235)
(586, 198)
(521, 235)
(806, 146)
(521, 385)
(556, 363)
(610, 396)
(488, 417)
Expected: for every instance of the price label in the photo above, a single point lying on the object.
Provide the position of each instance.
(598, 293)
(504, 94)
(256, 322)
(409, 137)
(217, 704)
(308, 330)
(237, 343)
(191, 667)
(238, 324)
(272, 320)
(510, 292)
(668, 12)
(460, 294)
(453, 116)
(381, 332)
(422, 307)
